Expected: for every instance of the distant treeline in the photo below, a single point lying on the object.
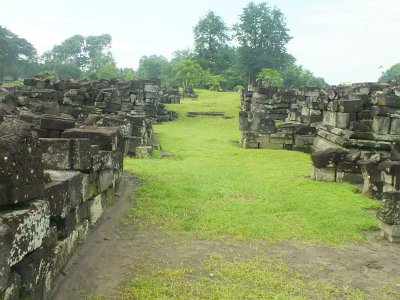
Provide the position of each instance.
(223, 58)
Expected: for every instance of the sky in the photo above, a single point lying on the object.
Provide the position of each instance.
(341, 40)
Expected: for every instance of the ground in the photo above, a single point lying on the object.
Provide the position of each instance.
(220, 222)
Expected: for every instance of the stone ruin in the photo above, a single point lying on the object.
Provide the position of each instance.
(62, 146)
(189, 92)
(353, 132)
(170, 95)
(263, 114)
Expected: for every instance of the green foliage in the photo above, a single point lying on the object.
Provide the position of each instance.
(127, 74)
(214, 189)
(270, 77)
(16, 83)
(89, 54)
(17, 55)
(185, 70)
(390, 73)
(210, 43)
(63, 71)
(154, 67)
(262, 35)
(296, 76)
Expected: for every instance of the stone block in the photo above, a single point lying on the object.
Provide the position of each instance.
(54, 123)
(107, 160)
(68, 224)
(108, 138)
(135, 142)
(324, 158)
(389, 212)
(56, 153)
(28, 227)
(56, 194)
(74, 182)
(96, 207)
(35, 271)
(350, 106)
(143, 151)
(105, 179)
(381, 125)
(63, 251)
(81, 153)
(124, 126)
(329, 118)
(343, 120)
(353, 178)
(21, 170)
(5, 246)
(324, 174)
(395, 126)
(83, 230)
(304, 140)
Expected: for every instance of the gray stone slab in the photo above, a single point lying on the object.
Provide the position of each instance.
(28, 227)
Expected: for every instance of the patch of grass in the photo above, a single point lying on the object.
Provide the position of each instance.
(218, 278)
(215, 190)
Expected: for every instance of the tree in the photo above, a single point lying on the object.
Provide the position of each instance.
(262, 35)
(270, 77)
(210, 43)
(296, 76)
(153, 67)
(16, 54)
(186, 70)
(390, 73)
(127, 74)
(83, 52)
(64, 71)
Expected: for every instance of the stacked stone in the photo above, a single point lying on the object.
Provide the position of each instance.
(348, 121)
(309, 107)
(170, 95)
(362, 120)
(189, 92)
(51, 190)
(260, 110)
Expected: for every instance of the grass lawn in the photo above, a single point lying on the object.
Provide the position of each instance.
(212, 190)
(215, 190)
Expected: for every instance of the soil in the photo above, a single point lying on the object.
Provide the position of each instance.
(114, 252)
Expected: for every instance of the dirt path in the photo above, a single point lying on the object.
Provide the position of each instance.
(115, 252)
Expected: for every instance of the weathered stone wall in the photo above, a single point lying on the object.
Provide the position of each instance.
(263, 114)
(354, 131)
(51, 191)
(62, 144)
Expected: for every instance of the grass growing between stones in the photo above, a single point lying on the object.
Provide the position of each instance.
(215, 190)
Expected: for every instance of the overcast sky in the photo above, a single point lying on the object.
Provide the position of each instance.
(342, 40)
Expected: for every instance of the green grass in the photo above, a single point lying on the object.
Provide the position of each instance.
(218, 278)
(214, 189)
